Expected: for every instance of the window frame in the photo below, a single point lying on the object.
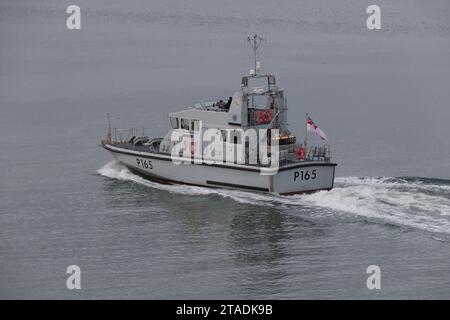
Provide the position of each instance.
(177, 122)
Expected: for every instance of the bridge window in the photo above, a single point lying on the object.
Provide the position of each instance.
(174, 122)
(185, 124)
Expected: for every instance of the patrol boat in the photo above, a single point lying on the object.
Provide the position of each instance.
(216, 144)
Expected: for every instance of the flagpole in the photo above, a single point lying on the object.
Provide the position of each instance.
(306, 130)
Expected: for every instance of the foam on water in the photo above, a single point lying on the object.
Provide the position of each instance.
(411, 202)
(394, 200)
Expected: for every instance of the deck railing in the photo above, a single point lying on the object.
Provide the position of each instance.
(311, 153)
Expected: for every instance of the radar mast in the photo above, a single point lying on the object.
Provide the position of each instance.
(255, 43)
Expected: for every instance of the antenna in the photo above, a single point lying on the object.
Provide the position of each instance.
(255, 42)
(108, 135)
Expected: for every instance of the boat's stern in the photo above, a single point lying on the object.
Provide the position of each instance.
(303, 178)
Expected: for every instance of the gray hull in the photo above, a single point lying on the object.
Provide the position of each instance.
(297, 178)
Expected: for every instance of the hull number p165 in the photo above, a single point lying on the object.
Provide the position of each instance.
(305, 175)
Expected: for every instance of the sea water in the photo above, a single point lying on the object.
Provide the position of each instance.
(380, 95)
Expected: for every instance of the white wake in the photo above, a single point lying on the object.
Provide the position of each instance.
(397, 201)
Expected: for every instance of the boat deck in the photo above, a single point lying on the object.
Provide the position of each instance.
(312, 155)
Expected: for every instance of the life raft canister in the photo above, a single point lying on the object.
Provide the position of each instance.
(263, 117)
(300, 153)
(259, 117)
